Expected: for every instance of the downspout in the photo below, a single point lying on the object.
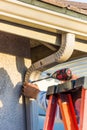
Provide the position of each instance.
(33, 73)
(62, 55)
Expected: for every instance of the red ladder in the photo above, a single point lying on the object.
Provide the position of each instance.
(58, 95)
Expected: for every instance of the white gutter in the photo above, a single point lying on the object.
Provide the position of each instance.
(29, 33)
(30, 15)
(51, 38)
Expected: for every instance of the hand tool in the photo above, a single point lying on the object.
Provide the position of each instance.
(62, 74)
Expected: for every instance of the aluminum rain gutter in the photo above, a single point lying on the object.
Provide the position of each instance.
(29, 15)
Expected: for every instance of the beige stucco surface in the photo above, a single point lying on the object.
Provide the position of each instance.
(12, 70)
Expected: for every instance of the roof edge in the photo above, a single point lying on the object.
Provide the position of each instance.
(27, 14)
(67, 5)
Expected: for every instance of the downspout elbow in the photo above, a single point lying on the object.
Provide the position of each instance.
(62, 55)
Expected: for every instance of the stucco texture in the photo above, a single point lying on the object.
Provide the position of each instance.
(12, 110)
(12, 70)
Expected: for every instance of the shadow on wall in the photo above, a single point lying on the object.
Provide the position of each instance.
(11, 112)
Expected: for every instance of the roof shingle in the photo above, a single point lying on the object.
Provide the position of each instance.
(74, 6)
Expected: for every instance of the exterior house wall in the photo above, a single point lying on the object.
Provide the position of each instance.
(14, 52)
(13, 64)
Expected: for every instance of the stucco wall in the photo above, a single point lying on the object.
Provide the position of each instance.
(12, 68)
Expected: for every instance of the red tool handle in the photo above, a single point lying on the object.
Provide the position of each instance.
(63, 74)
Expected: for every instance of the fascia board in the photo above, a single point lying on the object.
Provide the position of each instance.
(49, 38)
(80, 46)
(30, 33)
(27, 14)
